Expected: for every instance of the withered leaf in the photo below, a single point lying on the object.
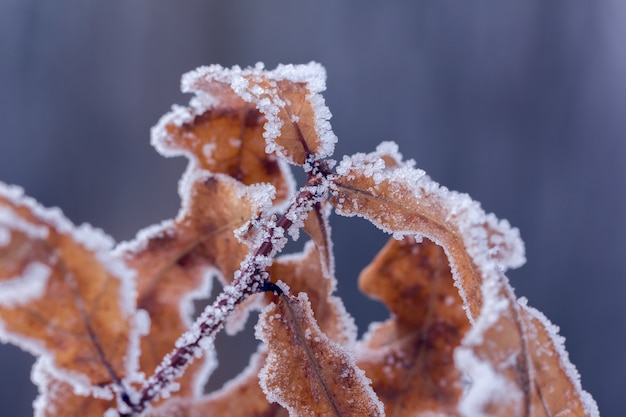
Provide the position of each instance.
(301, 272)
(63, 296)
(228, 139)
(404, 201)
(174, 262)
(556, 383)
(518, 366)
(288, 97)
(306, 372)
(317, 227)
(410, 357)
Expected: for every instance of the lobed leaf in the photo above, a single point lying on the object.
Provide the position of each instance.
(176, 260)
(410, 357)
(226, 138)
(296, 118)
(63, 296)
(306, 372)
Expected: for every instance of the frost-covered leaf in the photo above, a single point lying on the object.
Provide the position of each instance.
(518, 366)
(306, 372)
(458, 342)
(403, 200)
(410, 357)
(557, 390)
(288, 97)
(301, 272)
(495, 356)
(176, 260)
(226, 138)
(63, 296)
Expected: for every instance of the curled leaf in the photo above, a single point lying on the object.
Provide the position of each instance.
(288, 97)
(403, 201)
(225, 138)
(306, 372)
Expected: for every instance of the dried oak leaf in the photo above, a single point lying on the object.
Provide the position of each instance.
(224, 138)
(557, 390)
(176, 260)
(410, 357)
(496, 354)
(296, 118)
(403, 200)
(520, 356)
(306, 372)
(63, 296)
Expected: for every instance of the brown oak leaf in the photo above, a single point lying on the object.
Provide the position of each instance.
(175, 262)
(306, 372)
(226, 138)
(410, 357)
(288, 97)
(404, 201)
(63, 296)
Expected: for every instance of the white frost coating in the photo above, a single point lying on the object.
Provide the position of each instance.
(31, 285)
(9, 220)
(485, 385)
(207, 151)
(43, 372)
(589, 404)
(5, 237)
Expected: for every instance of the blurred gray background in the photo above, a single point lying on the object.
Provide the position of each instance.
(522, 104)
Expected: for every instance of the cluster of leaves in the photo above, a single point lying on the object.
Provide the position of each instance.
(112, 325)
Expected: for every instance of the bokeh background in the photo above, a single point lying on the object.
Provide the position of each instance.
(522, 104)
